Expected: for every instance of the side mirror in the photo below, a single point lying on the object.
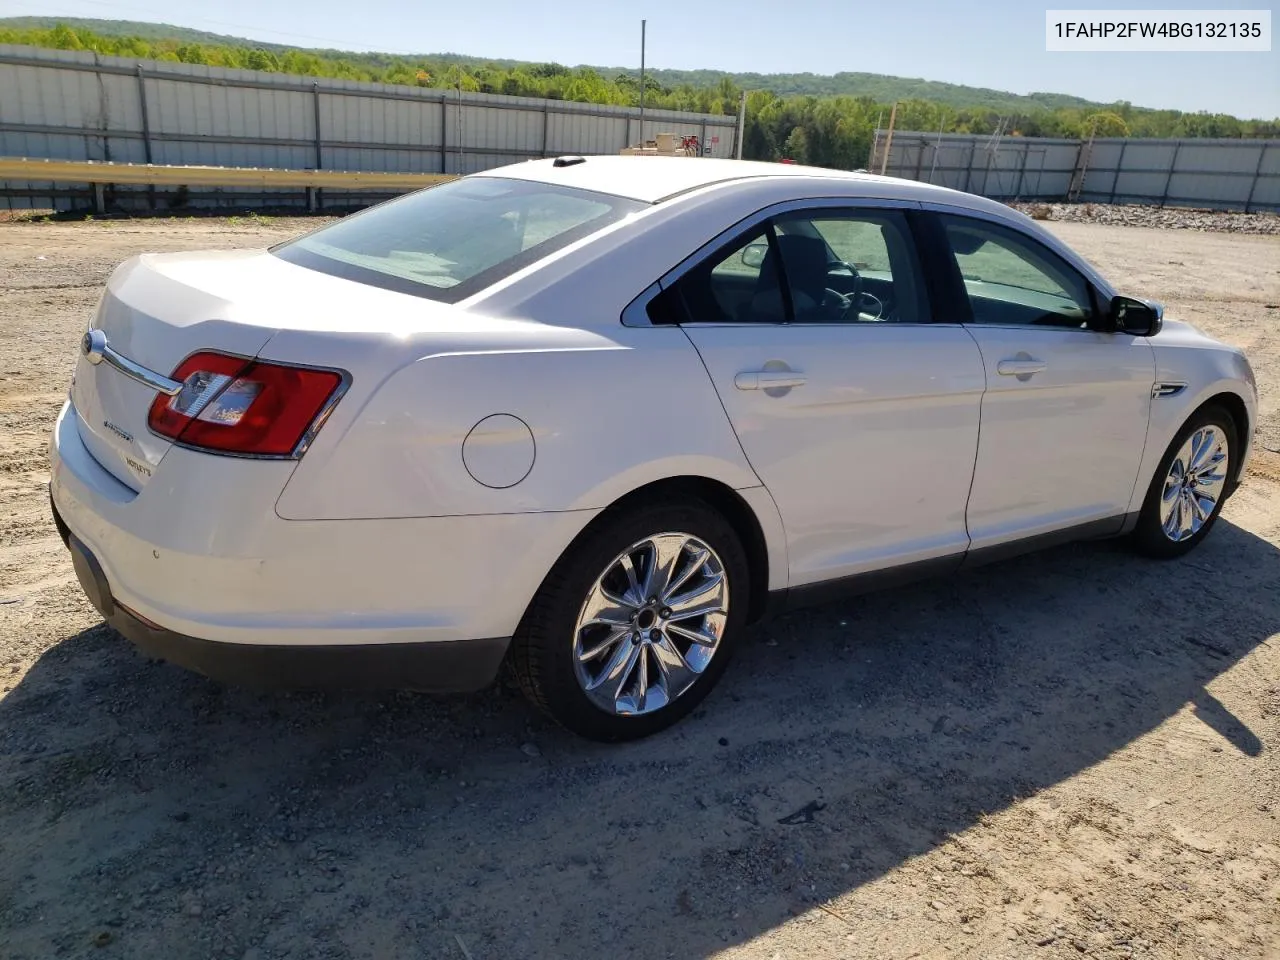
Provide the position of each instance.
(1138, 318)
(753, 254)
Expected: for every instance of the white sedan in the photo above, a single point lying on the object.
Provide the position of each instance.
(589, 417)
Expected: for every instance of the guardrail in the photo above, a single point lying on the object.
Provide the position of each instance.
(99, 174)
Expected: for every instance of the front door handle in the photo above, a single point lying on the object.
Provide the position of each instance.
(769, 379)
(1023, 367)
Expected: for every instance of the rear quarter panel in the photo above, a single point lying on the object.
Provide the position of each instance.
(608, 414)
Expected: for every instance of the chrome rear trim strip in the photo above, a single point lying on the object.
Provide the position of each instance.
(96, 349)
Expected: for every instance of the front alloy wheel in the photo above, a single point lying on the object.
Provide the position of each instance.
(1189, 487)
(1194, 483)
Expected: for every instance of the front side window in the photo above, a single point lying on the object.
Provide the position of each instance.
(1012, 279)
(451, 241)
(832, 266)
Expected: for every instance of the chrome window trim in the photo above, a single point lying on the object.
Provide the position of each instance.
(635, 313)
(1041, 328)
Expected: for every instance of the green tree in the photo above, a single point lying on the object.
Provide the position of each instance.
(262, 60)
(1104, 124)
(796, 146)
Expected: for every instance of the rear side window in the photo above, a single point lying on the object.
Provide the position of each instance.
(448, 242)
(741, 285)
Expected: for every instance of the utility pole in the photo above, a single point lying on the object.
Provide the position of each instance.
(643, 23)
(875, 143)
(458, 105)
(888, 140)
(742, 124)
(942, 116)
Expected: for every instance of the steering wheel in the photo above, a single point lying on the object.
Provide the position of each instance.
(854, 297)
(853, 301)
(878, 302)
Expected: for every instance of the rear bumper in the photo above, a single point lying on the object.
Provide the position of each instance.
(460, 666)
(198, 569)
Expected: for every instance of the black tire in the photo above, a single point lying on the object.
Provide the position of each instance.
(542, 657)
(1149, 537)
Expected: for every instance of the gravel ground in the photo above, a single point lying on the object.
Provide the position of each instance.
(1073, 754)
(1163, 218)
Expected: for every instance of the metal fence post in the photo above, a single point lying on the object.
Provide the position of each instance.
(461, 171)
(444, 134)
(313, 193)
(919, 159)
(315, 103)
(1257, 175)
(1115, 179)
(546, 123)
(1022, 169)
(1173, 167)
(968, 167)
(99, 199)
(146, 121)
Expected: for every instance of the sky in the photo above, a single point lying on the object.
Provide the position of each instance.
(996, 43)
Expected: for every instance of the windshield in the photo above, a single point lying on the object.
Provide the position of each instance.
(448, 242)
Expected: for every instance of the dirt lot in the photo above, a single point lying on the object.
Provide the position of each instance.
(1073, 754)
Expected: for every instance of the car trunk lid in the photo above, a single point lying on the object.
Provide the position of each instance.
(158, 310)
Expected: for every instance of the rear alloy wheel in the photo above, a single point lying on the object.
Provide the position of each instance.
(1187, 493)
(651, 624)
(633, 626)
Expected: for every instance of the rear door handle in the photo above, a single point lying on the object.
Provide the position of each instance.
(769, 379)
(1024, 368)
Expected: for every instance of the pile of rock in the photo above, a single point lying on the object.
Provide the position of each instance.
(1168, 218)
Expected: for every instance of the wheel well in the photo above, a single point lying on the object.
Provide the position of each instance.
(731, 506)
(1239, 414)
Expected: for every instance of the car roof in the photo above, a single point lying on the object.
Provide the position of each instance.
(653, 179)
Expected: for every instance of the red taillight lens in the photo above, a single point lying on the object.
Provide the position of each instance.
(231, 405)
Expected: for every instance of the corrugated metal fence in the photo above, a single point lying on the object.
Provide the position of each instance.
(1217, 174)
(77, 105)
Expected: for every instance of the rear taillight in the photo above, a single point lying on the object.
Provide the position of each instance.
(232, 405)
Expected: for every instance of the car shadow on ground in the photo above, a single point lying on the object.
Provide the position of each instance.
(183, 818)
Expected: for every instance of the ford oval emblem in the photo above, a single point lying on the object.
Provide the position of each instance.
(94, 346)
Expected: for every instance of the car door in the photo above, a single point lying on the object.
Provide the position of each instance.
(1064, 415)
(857, 412)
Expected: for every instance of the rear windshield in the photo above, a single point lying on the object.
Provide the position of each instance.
(448, 242)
